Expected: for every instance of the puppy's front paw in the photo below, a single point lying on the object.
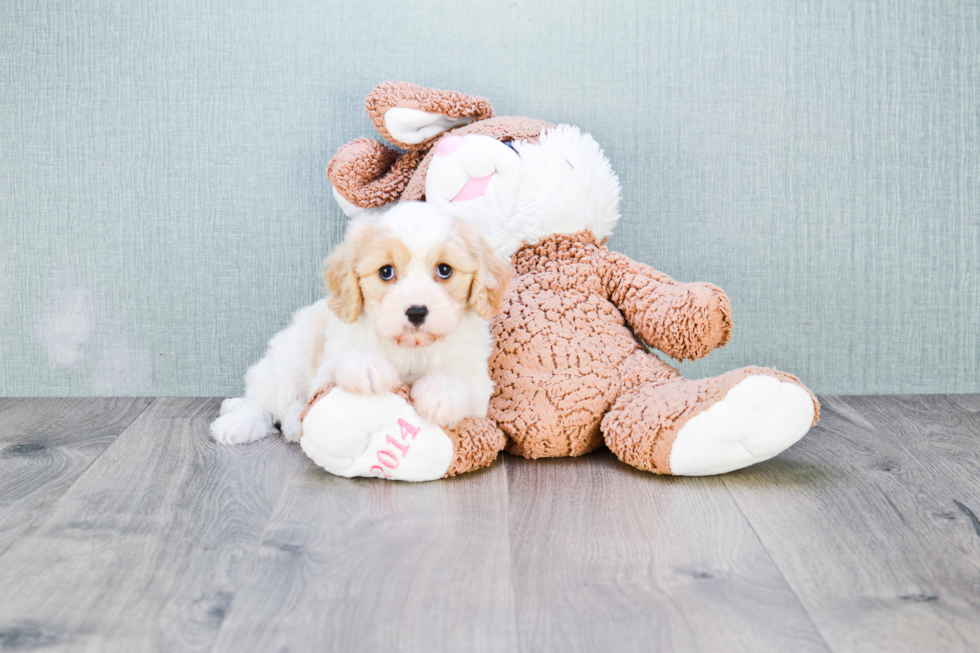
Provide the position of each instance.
(440, 399)
(241, 420)
(365, 374)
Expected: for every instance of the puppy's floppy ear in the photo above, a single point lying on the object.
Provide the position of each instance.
(340, 276)
(492, 274)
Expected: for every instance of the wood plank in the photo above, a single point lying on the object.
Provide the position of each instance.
(968, 403)
(146, 549)
(871, 519)
(45, 445)
(607, 558)
(363, 565)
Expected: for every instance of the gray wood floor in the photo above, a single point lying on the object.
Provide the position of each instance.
(123, 527)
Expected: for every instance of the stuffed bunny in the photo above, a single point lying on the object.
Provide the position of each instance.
(570, 364)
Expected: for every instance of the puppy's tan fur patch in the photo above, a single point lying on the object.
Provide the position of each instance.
(478, 281)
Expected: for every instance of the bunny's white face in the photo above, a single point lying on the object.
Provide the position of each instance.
(521, 192)
(474, 177)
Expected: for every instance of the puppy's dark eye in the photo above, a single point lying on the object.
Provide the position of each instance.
(387, 273)
(443, 271)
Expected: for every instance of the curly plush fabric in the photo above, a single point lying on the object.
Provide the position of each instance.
(411, 96)
(476, 443)
(570, 373)
(560, 344)
(370, 175)
(683, 320)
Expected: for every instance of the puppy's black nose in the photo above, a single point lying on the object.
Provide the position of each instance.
(416, 314)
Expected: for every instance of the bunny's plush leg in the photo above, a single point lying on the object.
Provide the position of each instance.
(671, 425)
(383, 436)
(476, 443)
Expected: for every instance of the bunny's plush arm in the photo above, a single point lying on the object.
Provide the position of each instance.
(683, 320)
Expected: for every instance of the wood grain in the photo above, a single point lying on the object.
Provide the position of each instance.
(146, 549)
(872, 520)
(605, 557)
(45, 445)
(863, 537)
(359, 565)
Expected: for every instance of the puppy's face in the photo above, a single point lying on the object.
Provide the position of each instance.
(413, 272)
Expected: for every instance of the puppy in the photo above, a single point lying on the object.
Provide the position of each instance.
(411, 292)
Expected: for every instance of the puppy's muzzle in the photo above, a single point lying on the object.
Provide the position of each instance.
(416, 314)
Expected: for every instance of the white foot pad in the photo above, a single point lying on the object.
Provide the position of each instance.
(380, 435)
(759, 418)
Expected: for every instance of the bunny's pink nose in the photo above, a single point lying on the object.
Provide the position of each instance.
(448, 145)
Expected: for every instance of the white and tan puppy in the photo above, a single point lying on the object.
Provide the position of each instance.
(411, 293)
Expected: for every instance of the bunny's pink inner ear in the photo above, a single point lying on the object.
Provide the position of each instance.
(412, 116)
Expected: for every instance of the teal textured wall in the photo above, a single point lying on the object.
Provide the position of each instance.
(163, 206)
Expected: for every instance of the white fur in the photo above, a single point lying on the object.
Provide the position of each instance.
(561, 184)
(361, 357)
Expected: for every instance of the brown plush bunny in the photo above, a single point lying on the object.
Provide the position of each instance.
(570, 364)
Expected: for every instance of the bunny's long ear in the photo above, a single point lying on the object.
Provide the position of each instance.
(367, 174)
(412, 116)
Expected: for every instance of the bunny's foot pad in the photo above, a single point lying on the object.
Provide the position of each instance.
(379, 435)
